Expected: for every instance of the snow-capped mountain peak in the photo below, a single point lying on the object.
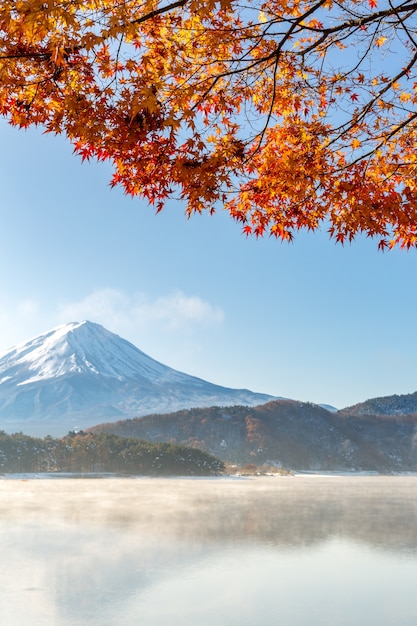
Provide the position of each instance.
(80, 373)
(78, 347)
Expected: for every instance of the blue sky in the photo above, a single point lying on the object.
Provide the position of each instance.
(311, 320)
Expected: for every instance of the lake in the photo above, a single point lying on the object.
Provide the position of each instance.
(263, 551)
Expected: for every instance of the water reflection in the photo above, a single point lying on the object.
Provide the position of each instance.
(291, 551)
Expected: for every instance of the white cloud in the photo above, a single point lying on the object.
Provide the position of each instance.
(108, 307)
(122, 313)
(178, 311)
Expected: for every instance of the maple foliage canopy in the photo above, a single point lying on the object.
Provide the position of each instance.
(287, 113)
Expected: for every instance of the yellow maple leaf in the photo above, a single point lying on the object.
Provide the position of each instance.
(380, 41)
(404, 97)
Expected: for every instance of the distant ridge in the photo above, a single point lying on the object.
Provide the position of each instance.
(294, 435)
(386, 405)
(80, 374)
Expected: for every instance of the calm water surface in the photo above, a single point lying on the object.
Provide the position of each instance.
(290, 551)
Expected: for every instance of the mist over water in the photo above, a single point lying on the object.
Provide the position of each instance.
(293, 551)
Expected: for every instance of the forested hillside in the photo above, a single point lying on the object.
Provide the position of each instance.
(405, 404)
(87, 452)
(286, 433)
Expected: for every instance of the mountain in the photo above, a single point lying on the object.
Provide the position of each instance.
(80, 374)
(295, 435)
(387, 405)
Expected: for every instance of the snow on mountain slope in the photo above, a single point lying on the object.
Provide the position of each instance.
(80, 373)
(80, 348)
